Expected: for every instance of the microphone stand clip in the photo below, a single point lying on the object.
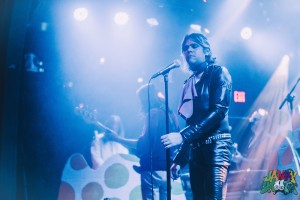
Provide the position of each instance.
(290, 98)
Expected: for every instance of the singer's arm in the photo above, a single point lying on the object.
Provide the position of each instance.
(219, 102)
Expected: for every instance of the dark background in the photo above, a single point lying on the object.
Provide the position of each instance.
(39, 129)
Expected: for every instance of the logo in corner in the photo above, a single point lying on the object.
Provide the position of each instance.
(280, 181)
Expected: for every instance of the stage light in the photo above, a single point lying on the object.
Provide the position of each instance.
(246, 33)
(121, 18)
(196, 27)
(161, 95)
(285, 60)
(140, 80)
(206, 31)
(44, 26)
(80, 14)
(152, 22)
(101, 60)
(262, 112)
(68, 84)
(283, 66)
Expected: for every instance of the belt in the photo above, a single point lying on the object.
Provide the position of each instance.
(211, 139)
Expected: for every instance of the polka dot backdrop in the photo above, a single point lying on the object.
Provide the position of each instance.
(115, 180)
(285, 158)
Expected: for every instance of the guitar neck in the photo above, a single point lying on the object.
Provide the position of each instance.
(102, 126)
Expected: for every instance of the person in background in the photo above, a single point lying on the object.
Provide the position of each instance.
(296, 119)
(251, 150)
(102, 148)
(206, 140)
(148, 147)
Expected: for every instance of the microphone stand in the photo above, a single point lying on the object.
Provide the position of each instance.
(167, 131)
(289, 98)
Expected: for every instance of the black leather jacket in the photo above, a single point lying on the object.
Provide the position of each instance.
(210, 110)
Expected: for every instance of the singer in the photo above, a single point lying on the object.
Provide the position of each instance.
(206, 140)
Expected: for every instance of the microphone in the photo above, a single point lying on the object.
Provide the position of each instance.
(175, 64)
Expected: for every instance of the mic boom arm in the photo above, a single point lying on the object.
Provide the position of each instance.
(166, 70)
(289, 97)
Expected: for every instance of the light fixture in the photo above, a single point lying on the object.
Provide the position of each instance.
(121, 18)
(246, 33)
(195, 27)
(152, 21)
(80, 14)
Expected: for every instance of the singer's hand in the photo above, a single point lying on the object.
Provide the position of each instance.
(171, 139)
(175, 171)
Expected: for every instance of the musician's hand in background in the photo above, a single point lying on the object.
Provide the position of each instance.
(236, 155)
(111, 135)
(98, 135)
(175, 171)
